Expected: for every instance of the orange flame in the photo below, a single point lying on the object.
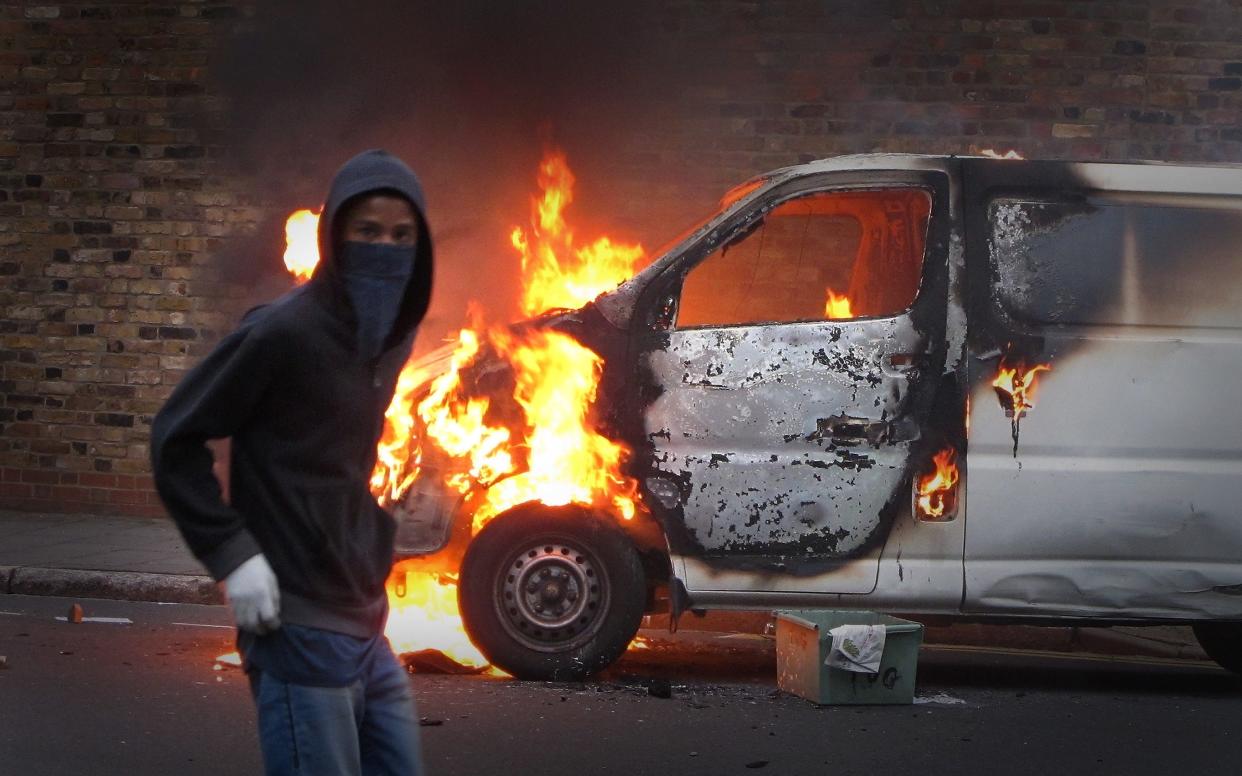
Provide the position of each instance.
(302, 244)
(556, 273)
(423, 615)
(568, 462)
(1017, 391)
(837, 306)
(936, 490)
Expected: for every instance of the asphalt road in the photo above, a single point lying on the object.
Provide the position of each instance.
(104, 698)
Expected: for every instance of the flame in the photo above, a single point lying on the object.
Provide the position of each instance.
(1017, 391)
(302, 244)
(423, 615)
(1015, 387)
(993, 154)
(837, 306)
(557, 274)
(556, 380)
(935, 490)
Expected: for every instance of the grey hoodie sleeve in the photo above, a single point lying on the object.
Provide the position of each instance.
(212, 401)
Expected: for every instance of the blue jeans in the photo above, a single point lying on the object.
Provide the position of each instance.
(367, 728)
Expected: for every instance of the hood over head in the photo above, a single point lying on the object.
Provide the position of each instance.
(368, 172)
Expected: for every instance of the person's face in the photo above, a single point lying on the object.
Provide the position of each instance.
(383, 219)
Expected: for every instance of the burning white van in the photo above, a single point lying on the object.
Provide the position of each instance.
(967, 387)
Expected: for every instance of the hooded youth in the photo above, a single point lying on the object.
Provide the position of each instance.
(301, 387)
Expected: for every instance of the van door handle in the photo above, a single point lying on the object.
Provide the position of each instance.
(848, 431)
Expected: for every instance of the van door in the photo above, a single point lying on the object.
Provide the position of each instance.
(790, 361)
(1115, 493)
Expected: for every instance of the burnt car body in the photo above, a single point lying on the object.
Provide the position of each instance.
(779, 449)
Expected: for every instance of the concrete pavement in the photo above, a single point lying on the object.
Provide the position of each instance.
(144, 559)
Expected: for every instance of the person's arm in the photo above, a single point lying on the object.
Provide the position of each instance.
(212, 401)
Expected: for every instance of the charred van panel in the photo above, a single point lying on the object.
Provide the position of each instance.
(741, 388)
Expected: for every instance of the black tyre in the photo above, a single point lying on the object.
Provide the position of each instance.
(551, 592)
(1223, 643)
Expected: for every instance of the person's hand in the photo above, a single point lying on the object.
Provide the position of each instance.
(254, 596)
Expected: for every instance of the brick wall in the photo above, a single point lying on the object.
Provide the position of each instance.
(112, 204)
(120, 193)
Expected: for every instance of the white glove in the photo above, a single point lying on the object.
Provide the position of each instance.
(254, 595)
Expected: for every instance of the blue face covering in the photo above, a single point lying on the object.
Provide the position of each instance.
(375, 277)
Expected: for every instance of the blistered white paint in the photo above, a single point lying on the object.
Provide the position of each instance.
(740, 418)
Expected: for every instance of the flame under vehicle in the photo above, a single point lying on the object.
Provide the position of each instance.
(997, 390)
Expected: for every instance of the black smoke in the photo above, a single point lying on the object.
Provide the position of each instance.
(467, 92)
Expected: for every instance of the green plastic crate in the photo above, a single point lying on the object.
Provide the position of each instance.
(802, 645)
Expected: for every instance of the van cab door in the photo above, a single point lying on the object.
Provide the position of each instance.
(790, 359)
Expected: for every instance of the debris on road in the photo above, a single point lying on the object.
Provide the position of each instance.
(429, 722)
(660, 688)
(943, 699)
(75, 613)
(757, 764)
(102, 620)
(4, 662)
(227, 660)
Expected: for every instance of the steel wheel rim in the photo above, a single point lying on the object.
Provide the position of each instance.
(551, 595)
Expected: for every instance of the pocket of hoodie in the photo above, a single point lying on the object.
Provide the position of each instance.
(342, 532)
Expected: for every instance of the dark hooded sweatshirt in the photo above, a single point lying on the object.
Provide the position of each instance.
(305, 411)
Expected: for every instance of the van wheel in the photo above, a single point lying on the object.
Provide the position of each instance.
(551, 592)
(1223, 643)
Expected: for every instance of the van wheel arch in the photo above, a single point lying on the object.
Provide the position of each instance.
(1222, 641)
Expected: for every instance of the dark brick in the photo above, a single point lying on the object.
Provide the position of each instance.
(184, 152)
(103, 465)
(1225, 84)
(60, 284)
(1233, 68)
(1152, 117)
(86, 328)
(1130, 48)
(10, 268)
(65, 119)
(1233, 135)
(92, 227)
(61, 256)
(52, 373)
(808, 111)
(1041, 26)
(178, 333)
(34, 181)
(220, 12)
(120, 419)
(148, 332)
(121, 256)
(185, 89)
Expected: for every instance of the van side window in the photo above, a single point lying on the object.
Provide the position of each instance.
(1150, 260)
(828, 255)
